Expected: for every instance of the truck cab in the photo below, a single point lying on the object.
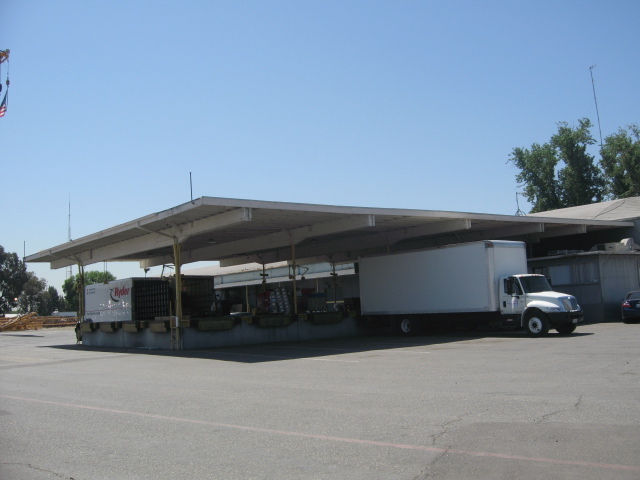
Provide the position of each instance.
(536, 307)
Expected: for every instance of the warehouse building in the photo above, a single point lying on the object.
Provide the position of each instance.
(598, 268)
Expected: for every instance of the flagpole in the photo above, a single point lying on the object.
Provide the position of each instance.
(4, 57)
(3, 105)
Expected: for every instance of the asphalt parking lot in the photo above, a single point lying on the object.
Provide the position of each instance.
(448, 406)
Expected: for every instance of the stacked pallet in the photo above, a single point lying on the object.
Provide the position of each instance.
(31, 321)
(28, 321)
(54, 321)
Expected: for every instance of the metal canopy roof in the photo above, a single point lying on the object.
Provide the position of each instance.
(620, 209)
(244, 231)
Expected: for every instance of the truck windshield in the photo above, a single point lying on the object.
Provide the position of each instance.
(535, 283)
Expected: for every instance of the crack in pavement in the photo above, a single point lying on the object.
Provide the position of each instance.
(28, 465)
(443, 450)
(424, 473)
(329, 438)
(445, 428)
(575, 407)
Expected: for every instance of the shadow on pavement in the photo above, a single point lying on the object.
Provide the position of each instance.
(271, 352)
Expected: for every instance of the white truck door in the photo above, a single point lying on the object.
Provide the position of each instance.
(511, 296)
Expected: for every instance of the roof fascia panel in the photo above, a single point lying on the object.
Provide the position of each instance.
(154, 240)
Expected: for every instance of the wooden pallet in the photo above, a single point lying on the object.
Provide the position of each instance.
(31, 321)
(59, 321)
(28, 321)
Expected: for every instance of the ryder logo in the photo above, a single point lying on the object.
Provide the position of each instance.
(118, 292)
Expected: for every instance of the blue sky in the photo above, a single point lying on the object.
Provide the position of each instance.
(407, 104)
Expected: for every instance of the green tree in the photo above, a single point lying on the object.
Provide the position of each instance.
(52, 301)
(32, 298)
(581, 181)
(560, 173)
(71, 286)
(621, 162)
(538, 176)
(13, 275)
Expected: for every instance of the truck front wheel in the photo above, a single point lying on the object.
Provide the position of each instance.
(536, 323)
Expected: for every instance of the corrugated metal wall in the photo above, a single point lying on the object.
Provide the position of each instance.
(617, 274)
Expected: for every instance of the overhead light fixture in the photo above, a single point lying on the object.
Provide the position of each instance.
(211, 241)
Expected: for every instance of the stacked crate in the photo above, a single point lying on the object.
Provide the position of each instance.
(280, 301)
(264, 301)
(152, 299)
(198, 298)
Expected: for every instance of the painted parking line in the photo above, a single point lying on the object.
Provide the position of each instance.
(331, 438)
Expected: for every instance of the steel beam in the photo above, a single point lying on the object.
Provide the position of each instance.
(273, 241)
(561, 231)
(357, 243)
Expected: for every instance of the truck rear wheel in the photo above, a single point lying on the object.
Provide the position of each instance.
(566, 328)
(536, 323)
(406, 327)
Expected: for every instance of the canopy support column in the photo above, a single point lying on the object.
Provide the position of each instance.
(80, 287)
(295, 291)
(176, 322)
(246, 298)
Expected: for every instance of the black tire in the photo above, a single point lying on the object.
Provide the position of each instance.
(406, 327)
(566, 328)
(536, 323)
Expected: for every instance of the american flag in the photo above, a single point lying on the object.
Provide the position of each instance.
(3, 105)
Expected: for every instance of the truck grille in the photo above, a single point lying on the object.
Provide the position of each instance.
(570, 304)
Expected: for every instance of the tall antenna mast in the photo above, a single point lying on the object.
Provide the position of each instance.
(69, 229)
(593, 85)
(70, 268)
(519, 212)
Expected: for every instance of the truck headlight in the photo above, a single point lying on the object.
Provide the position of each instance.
(555, 309)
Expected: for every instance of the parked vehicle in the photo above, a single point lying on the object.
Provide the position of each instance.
(631, 307)
(134, 299)
(467, 284)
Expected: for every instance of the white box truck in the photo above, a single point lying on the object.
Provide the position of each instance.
(469, 284)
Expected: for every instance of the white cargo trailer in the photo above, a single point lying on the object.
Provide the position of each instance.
(133, 299)
(471, 283)
(109, 302)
